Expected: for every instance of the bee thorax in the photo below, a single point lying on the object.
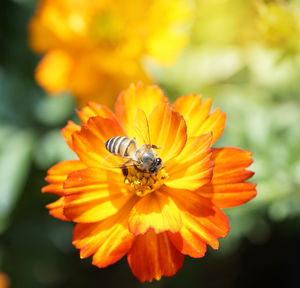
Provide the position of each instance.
(147, 160)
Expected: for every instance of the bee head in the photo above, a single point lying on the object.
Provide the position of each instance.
(157, 164)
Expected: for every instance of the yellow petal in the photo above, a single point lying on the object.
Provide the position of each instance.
(167, 130)
(193, 167)
(197, 117)
(94, 109)
(109, 240)
(156, 211)
(89, 142)
(92, 195)
(137, 97)
(53, 71)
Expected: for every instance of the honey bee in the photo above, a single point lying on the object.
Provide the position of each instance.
(143, 158)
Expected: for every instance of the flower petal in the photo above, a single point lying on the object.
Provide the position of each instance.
(93, 194)
(153, 256)
(229, 195)
(137, 97)
(198, 230)
(190, 201)
(58, 173)
(193, 167)
(89, 142)
(94, 109)
(53, 71)
(167, 130)
(109, 240)
(230, 165)
(197, 117)
(156, 211)
(68, 131)
(188, 243)
(56, 209)
(227, 188)
(203, 222)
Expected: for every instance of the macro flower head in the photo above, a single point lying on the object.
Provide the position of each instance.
(94, 49)
(153, 218)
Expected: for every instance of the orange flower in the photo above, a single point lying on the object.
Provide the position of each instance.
(4, 280)
(156, 218)
(96, 48)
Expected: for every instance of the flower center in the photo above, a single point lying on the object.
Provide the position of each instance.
(143, 183)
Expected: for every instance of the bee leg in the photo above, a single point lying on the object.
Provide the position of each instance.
(125, 170)
(155, 147)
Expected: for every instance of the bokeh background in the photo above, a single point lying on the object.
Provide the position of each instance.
(243, 54)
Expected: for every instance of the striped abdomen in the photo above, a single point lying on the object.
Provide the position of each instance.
(121, 146)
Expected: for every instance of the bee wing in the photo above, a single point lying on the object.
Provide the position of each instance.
(113, 161)
(141, 126)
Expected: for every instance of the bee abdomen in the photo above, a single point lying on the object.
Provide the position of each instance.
(120, 145)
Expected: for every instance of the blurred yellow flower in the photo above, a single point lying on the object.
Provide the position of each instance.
(223, 22)
(278, 25)
(239, 23)
(96, 48)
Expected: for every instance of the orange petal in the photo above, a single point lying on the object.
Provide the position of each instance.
(94, 109)
(153, 256)
(53, 71)
(137, 97)
(190, 201)
(94, 194)
(215, 123)
(89, 142)
(197, 117)
(167, 130)
(156, 211)
(58, 173)
(229, 195)
(56, 209)
(68, 131)
(227, 188)
(203, 222)
(230, 165)
(109, 240)
(198, 230)
(49, 27)
(188, 243)
(193, 167)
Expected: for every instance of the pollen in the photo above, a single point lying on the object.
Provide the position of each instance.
(143, 183)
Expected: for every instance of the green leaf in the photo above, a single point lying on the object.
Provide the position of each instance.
(15, 155)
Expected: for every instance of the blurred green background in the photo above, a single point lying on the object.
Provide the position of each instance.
(252, 77)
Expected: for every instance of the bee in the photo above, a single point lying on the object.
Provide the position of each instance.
(144, 158)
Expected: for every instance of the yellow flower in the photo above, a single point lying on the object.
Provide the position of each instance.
(278, 26)
(95, 48)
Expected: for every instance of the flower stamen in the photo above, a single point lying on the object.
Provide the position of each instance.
(143, 183)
